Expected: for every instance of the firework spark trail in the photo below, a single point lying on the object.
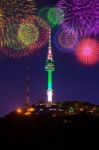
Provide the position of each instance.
(11, 11)
(65, 40)
(55, 16)
(2, 24)
(82, 15)
(43, 28)
(18, 7)
(17, 45)
(28, 33)
(87, 51)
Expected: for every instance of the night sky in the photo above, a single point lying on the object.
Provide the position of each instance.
(71, 79)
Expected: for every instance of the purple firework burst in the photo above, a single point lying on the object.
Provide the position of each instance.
(82, 15)
(65, 40)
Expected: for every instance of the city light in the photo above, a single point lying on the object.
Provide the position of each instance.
(27, 113)
(49, 68)
(31, 109)
(19, 110)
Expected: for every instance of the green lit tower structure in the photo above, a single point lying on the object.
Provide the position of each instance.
(49, 68)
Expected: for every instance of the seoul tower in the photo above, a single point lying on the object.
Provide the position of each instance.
(49, 68)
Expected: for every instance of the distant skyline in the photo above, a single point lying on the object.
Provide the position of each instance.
(71, 79)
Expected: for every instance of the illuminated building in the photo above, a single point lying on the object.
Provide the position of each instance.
(49, 68)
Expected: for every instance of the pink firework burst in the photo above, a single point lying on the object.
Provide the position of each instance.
(87, 51)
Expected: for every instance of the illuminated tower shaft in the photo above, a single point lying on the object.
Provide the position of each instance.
(49, 68)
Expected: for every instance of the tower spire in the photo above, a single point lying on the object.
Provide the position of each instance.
(50, 57)
(49, 68)
(27, 97)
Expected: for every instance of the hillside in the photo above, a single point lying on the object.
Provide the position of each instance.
(47, 132)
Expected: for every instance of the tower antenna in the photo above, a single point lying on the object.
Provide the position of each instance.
(27, 97)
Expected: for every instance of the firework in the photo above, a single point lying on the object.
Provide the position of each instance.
(10, 34)
(55, 16)
(43, 29)
(87, 51)
(28, 33)
(11, 10)
(12, 45)
(82, 15)
(43, 13)
(19, 42)
(2, 23)
(65, 40)
(18, 7)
